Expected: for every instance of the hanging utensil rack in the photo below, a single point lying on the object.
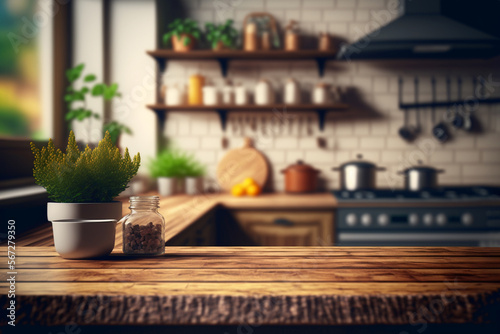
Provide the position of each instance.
(437, 104)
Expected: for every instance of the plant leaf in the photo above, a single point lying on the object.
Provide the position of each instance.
(89, 78)
(98, 90)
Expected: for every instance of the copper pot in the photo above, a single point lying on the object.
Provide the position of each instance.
(300, 178)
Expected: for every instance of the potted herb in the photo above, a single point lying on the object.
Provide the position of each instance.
(182, 34)
(221, 36)
(82, 185)
(173, 168)
(76, 99)
(194, 172)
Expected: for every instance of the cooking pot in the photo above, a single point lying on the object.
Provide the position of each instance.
(300, 178)
(420, 177)
(358, 174)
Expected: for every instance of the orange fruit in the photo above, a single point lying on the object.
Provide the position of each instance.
(253, 190)
(248, 182)
(238, 190)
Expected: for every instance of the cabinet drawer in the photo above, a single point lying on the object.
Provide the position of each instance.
(287, 228)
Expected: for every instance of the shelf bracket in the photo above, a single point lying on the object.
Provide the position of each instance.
(160, 126)
(321, 118)
(223, 118)
(162, 65)
(321, 66)
(223, 63)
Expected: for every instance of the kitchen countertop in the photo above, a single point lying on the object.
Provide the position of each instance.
(181, 211)
(258, 285)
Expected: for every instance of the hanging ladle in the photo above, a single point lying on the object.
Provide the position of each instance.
(440, 130)
(458, 119)
(406, 132)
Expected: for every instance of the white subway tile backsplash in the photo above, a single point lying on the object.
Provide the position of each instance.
(311, 15)
(271, 4)
(206, 157)
(440, 156)
(211, 143)
(338, 15)
(374, 4)
(346, 3)
(275, 156)
(480, 170)
(467, 156)
(346, 143)
(187, 143)
(488, 141)
(372, 142)
(319, 156)
(490, 156)
(293, 156)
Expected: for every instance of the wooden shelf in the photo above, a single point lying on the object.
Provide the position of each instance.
(224, 56)
(223, 109)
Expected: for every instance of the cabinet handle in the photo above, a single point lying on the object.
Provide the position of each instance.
(283, 221)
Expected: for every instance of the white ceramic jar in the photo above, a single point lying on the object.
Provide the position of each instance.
(173, 96)
(320, 94)
(240, 95)
(264, 93)
(210, 96)
(228, 94)
(291, 94)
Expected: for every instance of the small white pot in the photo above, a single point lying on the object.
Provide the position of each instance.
(84, 230)
(168, 186)
(194, 185)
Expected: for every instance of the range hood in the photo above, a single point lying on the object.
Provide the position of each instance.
(433, 29)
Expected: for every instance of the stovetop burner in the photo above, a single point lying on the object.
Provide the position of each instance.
(440, 194)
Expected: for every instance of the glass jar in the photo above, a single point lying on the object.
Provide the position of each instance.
(143, 227)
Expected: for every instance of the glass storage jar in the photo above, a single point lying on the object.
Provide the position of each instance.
(144, 227)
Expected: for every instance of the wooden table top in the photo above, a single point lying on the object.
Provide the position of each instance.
(258, 285)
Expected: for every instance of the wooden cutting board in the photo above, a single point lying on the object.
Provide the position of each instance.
(240, 163)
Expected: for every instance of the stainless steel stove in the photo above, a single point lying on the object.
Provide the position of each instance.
(448, 216)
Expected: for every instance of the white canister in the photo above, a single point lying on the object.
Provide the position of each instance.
(210, 96)
(264, 93)
(292, 92)
(194, 185)
(240, 95)
(173, 96)
(320, 94)
(228, 94)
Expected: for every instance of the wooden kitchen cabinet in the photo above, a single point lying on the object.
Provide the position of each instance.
(278, 228)
(200, 233)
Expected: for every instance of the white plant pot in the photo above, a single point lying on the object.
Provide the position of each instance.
(168, 186)
(194, 185)
(84, 230)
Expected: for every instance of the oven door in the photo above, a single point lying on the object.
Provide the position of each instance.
(414, 238)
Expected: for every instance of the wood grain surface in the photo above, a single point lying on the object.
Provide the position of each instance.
(241, 163)
(258, 285)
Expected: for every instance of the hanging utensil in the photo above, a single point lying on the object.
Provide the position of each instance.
(309, 126)
(440, 130)
(406, 132)
(471, 123)
(458, 119)
(241, 122)
(418, 127)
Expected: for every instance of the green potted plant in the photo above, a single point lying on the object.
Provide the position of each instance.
(221, 36)
(194, 173)
(82, 185)
(76, 99)
(171, 168)
(182, 34)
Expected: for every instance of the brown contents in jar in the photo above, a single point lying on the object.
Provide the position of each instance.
(143, 239)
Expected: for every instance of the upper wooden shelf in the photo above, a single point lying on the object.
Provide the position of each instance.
(223, 109)
(224, 56)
